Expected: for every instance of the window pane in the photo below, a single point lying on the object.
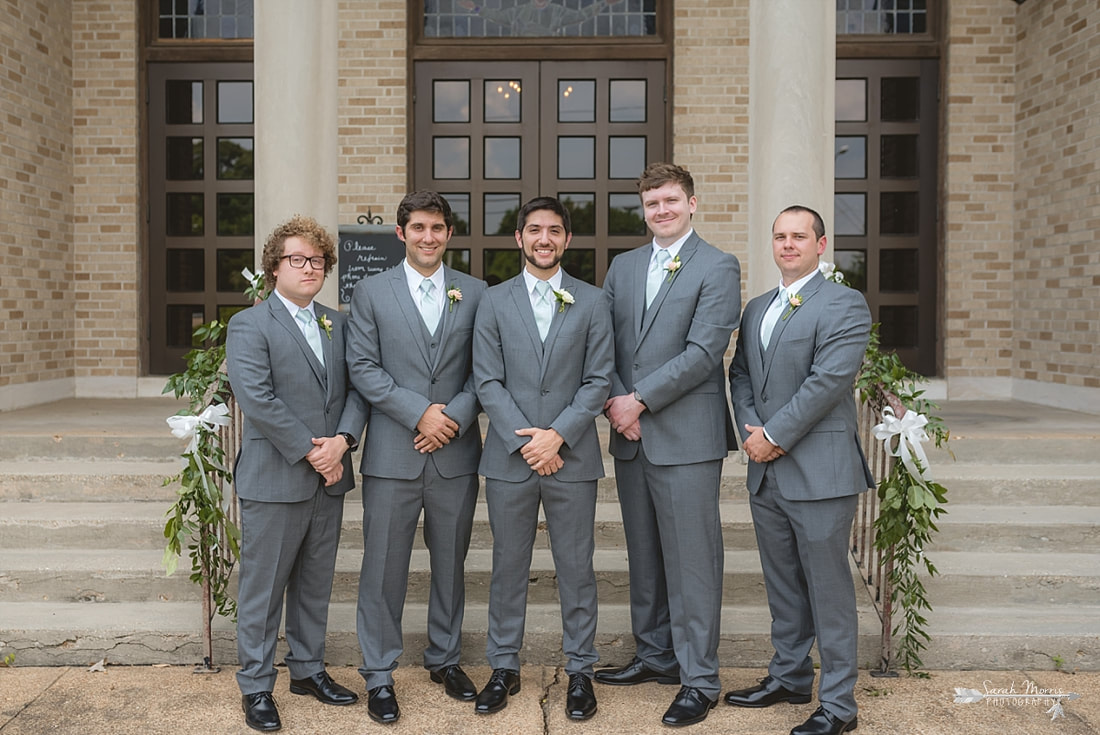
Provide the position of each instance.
(502, 158)
(180, 325)
(624, 215)
(184, 159)
(230, 264)
(184, 215)
(205, 19)
(502, 101)
(850, 157)
(235, 214)
(183, 270)
(901, 98)
(183, 102)
(898, 271)
(582, 212)
(451, 101)
(576, 101)
(539, 18)
(626, 158)
(459, 259)
(451, 159)
(850, 213)
(500, 265)
(851, 100)
(460, 211)
(235, 102)
(627, 100)
(225, 313)
(898, 213)
(898, 326)
(235, 158)
(580, 264)
(853, 264)
(899, 157)
(500, 214)
(576, 158)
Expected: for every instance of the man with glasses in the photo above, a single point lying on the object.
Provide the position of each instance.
(301, 418)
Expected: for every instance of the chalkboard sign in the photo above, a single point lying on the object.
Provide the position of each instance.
(364, 251)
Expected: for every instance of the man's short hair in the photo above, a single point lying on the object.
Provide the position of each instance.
(818, 225)
(548, 203)
(306, 228)
(424, 201)
(657, 175)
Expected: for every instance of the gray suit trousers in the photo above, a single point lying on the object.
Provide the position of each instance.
(570, 509)
(292, 547)
(674, 539)
(804, 554)
(391, 510)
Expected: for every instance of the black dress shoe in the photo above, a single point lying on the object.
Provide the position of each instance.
(382, 705)
(455, 682)
(260, 712)
(324, 688)
(494, 697)
(765, 694)
(580, 700)
(689, 707)
(636, 672)
(822, 722)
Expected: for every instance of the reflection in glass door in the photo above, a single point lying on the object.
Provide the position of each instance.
(885, 230)
(200, 201)
(490, 136)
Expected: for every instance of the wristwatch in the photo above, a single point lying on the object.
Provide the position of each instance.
(638, 398)
(348, 438)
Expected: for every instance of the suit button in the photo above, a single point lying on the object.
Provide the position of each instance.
(433, 345)
(637, 366)
(435, 380)
(545, 392)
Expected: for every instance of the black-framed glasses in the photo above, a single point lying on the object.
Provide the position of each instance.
(299, 261)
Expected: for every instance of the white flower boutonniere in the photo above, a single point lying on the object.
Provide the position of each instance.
(564, 299)
(454, 293)
(831, 273)
(325, 324)
(793, 302)
(673, 267)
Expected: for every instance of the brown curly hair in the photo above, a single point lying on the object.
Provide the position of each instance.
(306, 228)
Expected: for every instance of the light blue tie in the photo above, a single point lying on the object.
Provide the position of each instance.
(429, 312)
(544, 308)
(771, 317)
(312, 332)
(657, 273)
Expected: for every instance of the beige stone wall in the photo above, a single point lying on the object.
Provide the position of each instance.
(710, 116)
(109, 275)
(36, 195)
(978, 204)
(373, 105)
(1057, 196)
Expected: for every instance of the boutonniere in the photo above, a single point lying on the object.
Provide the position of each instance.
(564, 299)
(673, 266)
(326, 324)
(794, 301)
(454, 294)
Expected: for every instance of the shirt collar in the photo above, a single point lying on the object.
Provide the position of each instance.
(797, 285)
(292, 307)
(415, 278)
(530, 280)
(674, 248)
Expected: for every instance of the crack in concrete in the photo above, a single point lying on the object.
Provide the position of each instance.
(544, 701)
(25, 707)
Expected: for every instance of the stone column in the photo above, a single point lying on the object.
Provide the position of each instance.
(792, 71)
(295, 53)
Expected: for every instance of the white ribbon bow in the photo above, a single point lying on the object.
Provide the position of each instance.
(910, 433)
(186, 427)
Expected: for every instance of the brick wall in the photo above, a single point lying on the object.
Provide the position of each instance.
(36, 194)
(373, 104)
(1057, 196)
(108, 270)
(978, 184)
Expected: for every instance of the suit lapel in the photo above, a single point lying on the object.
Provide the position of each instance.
(282, 316)
(686, 251)
(521, 301)
(451, 310)
(568, 284)
(328, 348)
(404, 300)
(806, 292)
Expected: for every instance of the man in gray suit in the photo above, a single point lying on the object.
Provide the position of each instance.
(798, 353)
(409, 346)
(542, 361)
(675, 302)
(287, 371)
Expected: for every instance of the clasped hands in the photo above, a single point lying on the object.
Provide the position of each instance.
(541, 453)
(623, 412)
(326, 457)
(758, 447)
(434, 429)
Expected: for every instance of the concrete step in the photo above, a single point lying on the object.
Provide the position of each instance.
(1022, 484)
(76, 480)
(1034, 528)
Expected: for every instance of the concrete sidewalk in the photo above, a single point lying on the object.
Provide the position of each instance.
(173, 700)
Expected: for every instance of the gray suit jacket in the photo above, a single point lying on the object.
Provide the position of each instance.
(288, 398)
(801, 390)
(672, 352)
(560, 384)
(391, 366)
